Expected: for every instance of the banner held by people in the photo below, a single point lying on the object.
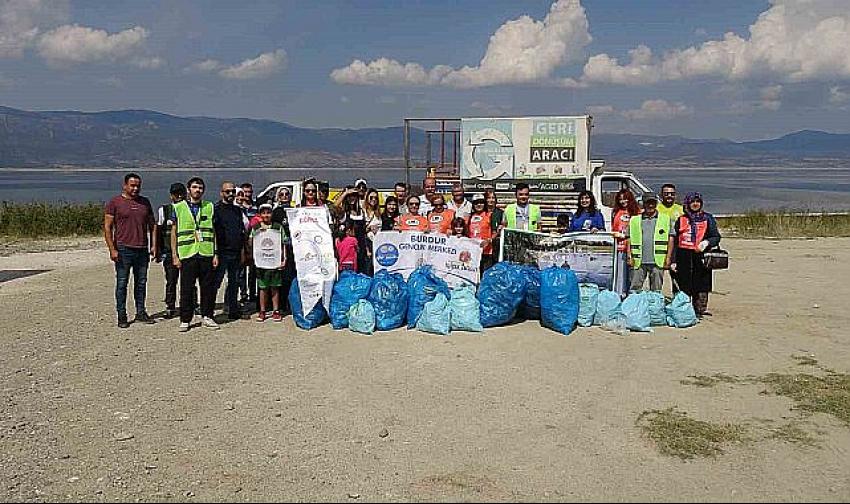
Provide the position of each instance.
(315, 263)
(589, 255)
(456, 260)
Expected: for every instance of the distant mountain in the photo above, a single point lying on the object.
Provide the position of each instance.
(150, 139)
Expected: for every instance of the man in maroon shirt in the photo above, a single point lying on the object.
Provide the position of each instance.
(128, 225)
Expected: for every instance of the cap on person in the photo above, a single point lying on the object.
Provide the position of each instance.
(478, 197)
(361, 181)
(177, 189)
(647, 197)
(265, 206)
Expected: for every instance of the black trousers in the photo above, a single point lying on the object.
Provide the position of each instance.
(196, 269)
(172, 277)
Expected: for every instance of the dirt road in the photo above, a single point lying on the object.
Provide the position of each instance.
(268, 412)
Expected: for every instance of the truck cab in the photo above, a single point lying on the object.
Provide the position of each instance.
(606, 185)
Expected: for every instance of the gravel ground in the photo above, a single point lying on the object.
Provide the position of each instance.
(258, 412)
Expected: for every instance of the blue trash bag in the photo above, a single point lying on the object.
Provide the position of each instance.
(422, 286)
(635, 310)
(657, 316)
(389, 299)
(361, 317)
(588, 294)
(435, 316)
(312, 320)
(680, 311)
(607, 307)
(348, 290)
(502, 290)
(530, 308)
(559, 299)
(464, 308)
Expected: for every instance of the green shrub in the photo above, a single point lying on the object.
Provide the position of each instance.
(760, 224)
(49, 220)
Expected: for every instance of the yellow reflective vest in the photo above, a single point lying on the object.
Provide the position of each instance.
(662, 234)
(195, 236)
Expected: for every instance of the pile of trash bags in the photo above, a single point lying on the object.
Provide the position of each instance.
(425, 302)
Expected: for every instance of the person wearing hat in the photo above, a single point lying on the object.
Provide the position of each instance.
(166, 218)
(479, 227)
(361, 186)
(650, 245)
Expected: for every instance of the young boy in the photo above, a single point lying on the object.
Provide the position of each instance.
(346, 249)
(268, 280)
(563, 223)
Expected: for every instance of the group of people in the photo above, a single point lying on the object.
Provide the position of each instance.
(199, 242)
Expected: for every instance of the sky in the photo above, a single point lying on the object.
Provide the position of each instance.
(742, 69)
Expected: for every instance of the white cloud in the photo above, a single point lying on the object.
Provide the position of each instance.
(770, 97)
(658, 110)
(21, 21)
(74, 44)
(839, 95)
(521, 51)
(260, 67)
(600, 110)
(792, 41)
(344, 99)
(148, 63)
(490, 109)
(208, 65)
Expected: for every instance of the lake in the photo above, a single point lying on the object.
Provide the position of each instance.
(725, 190)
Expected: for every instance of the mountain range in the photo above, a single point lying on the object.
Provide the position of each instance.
(143, 138)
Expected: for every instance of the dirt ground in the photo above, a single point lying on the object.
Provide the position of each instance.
(268, 412)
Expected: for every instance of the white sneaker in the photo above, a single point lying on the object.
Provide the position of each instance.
(209, 323)
(184, 326)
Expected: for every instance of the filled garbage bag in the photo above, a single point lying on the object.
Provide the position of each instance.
(680, 311)
(635, 310)
(657, 316)
(530, 307)
(422, 286)
(389, 300)
(607, 307)
(435, 316)
(588, 294)
(350, 288)
(464, 308)
(316, 317)
(559, 299)
(361, 317)
(502, 290)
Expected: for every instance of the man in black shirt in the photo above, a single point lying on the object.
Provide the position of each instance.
(229, 222)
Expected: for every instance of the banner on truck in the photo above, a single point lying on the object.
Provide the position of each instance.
(524, 148)
(455, 260)
(312, 246)
(590, 255)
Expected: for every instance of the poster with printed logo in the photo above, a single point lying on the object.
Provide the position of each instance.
(267, 249)
(455, 260)
(312, 246)
(525, 148)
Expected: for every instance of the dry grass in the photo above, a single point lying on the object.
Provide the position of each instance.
(760, 224)
(828, 394)
(677, 435)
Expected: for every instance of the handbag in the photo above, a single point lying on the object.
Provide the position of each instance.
(716, 259)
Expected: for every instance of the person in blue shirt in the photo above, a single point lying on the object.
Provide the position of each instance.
(587, 217)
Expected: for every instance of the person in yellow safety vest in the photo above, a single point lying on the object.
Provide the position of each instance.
(522, 214)
(193, 239)
(668, 205)
(650, 245)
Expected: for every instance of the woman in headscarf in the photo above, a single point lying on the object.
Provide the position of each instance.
(695, 232)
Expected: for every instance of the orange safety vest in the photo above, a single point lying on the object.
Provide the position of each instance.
(684, 233)
(619, 224)
(441, 222)
(410, 222)
(478, 226)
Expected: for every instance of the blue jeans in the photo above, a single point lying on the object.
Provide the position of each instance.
(229, 262)
(136, 259)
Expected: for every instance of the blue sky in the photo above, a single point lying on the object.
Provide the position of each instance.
(195, 58)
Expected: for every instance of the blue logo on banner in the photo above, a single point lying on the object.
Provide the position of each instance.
(387, 255)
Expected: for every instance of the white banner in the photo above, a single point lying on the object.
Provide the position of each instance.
(455, 260)
(312, 245)
(267, 249)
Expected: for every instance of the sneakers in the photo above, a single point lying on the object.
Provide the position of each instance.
(171, 313)
(276, 316)
(261, 317)
(144, 318)
(184, 326)
(123, 324)
(209, 323)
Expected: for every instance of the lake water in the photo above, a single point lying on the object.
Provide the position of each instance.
(725, 190)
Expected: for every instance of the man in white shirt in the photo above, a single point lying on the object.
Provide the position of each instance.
(459, 203)
(429, 188)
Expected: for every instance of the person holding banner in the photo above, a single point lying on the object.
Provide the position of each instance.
(479, 226)
(412, 221)
(587, 217)
(268, 250)
(440, 218)
(522, 215)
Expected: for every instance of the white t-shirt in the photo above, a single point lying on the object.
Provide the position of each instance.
(463, 210)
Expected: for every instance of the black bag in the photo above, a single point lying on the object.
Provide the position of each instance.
(716, 259)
